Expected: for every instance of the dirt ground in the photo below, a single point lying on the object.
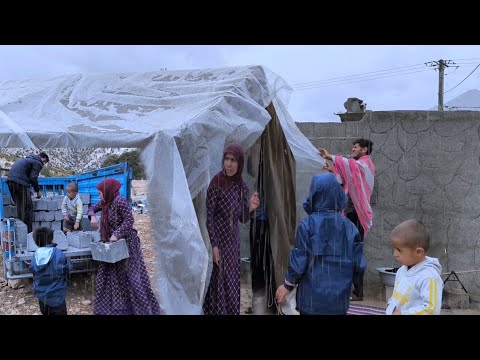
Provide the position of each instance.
(21, 300)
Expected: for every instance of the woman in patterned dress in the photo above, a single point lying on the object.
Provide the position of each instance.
(227, 204)
(122, 288)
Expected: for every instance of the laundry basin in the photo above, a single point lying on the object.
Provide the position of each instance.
(387, 275)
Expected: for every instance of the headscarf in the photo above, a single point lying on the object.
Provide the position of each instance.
(222, 180)
(110, 189)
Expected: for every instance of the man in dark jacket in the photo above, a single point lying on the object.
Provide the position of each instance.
(50, 268)
(23, 173)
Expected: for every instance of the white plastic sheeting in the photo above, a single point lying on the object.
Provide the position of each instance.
(182, 121)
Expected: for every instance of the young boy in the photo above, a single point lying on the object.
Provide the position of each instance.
(72, 209)
(418, 285)
(50, 268)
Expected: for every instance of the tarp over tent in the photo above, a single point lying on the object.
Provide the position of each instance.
(181, 120)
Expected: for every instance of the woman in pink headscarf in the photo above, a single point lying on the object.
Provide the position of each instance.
(122, 288)
(227, 204)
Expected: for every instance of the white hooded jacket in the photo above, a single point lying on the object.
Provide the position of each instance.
(418, 290)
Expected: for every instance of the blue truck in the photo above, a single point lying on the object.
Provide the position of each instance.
(16, 255)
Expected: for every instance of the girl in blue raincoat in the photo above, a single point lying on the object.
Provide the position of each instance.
(327, 250)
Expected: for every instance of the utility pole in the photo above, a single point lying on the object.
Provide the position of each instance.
(440, 65)
(441, 74)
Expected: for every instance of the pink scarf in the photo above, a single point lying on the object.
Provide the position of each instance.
(358, 177)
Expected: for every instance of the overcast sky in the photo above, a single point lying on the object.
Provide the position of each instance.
(385, 77)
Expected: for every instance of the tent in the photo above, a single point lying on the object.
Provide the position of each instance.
(181, 120)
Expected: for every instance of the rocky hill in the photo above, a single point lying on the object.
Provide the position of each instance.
(63, 161)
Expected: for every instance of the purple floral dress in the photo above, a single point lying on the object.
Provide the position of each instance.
(123, 288)
(225, 208)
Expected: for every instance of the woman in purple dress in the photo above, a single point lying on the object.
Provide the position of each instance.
(227, 204)
(122, 288)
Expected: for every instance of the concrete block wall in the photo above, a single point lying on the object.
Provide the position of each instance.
(47, 211)
(427, 167)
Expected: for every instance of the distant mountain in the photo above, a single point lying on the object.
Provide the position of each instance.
(469, 100)
(63, 161)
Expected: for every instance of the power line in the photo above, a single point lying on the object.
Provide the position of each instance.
(358, 75)
(463, 79)
(466, 59)
(339, 82)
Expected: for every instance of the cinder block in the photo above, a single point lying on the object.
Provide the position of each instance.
(79, 239)
(59, 203)
(31, 246)
(9, 211)
(110, 252)
(58, 215)
(21, 233)
(56, 225)
(96, 236)
(85, 198)
(47, 224)
(456, 299)
(40, 204)
(52, 206)
(85, 223)
(35, 225)
(60, 239)
(44, 216)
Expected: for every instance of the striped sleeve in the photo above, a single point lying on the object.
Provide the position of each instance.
(79, 210)
(431, 295)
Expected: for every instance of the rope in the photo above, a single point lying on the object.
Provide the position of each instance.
(461, 272)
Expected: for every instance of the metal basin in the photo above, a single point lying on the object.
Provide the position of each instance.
(387, 275)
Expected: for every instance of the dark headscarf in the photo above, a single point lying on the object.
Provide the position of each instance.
(222, 180)
(110, 189)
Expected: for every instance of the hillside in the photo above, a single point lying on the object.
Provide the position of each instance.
(62, 161)
(469, 100)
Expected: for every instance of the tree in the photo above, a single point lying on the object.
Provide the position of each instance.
(110, 160)
(130, 157)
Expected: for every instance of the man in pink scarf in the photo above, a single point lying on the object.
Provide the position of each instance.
(357, 177)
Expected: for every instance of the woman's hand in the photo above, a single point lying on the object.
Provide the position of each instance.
(216, 255)
(94, 222)
(254, 202)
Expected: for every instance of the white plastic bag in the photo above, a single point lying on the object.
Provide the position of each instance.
(287, 307)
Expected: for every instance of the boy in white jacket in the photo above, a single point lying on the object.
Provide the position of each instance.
(418, 285)
(72, 209)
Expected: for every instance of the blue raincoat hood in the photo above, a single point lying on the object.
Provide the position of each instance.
(327, 250)
(325, 194)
